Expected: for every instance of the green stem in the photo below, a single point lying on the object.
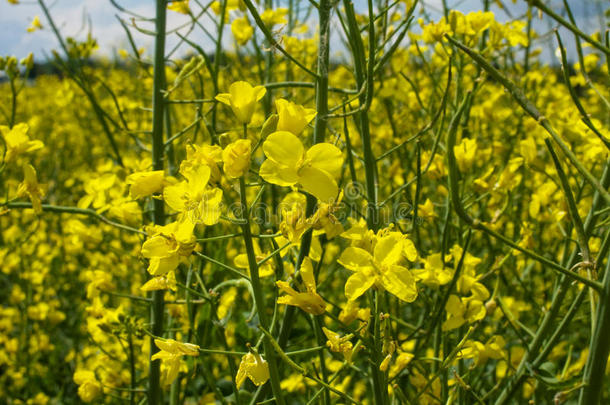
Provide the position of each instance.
(155, 394)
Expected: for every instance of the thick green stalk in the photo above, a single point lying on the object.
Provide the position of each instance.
(155, 394)
(595, 369)
(259, 300)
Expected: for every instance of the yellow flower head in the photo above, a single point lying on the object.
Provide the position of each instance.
(273, 17)
(242, 30)
(339, 344)
(179, 6)
(167, 245)
(254, 367)
(31, 188)
(242, 99)
(308, 301)
(171, 356)
(145, 183)
(293, 117)
(194, 199)
(381, 269)
(88, 386)
(236, 158)
(315, 169)
(35, 25)
(18, 142)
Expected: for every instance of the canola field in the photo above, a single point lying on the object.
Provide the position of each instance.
(309, 202)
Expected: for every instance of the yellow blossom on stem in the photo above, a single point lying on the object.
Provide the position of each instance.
(165, 282)
(254, 367)
(31, 188)
(145, 183)
(236, 158)
(242, 99)
(35, 25)
(293, 117)
(18, 142)
(315, 169)
(88, 386)
(194, 199)
(167, 245)
(242, 30)
(179, 6)
(272, 17)
(339, 344)
(381, 269)
(171, 356)
(308, 301)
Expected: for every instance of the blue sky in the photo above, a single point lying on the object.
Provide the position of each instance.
(73, 17)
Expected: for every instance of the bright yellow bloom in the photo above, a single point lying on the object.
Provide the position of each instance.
(242, 99)
(35, 25)
(194, 199)
(31, 188)
(381, 269)
(208, 155)
(165, 282)
(236, 158)
(264, 270)
(18, 142)
(167, 245)
(465, 154)
(308, 301)
(434, 273)
(339, 344)
(179, 6)
(254, 367)
(88, 386)
(171, 355)
(242, 30)
(293, 117)
(273, 17)
(145, 183)
(461, 311)
(493, 349)
(288, 164)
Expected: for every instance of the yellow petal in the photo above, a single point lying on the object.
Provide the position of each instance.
(354, 259)
(388, 249)
(400, 282)
(327, 157)
(319, 183)
(274, 173)
(358, 283)
(283, 148)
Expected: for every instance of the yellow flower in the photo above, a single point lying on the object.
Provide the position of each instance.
(254, 367)
(339, 344)
(242, 99)
(179, 6)
(167, 281)
(171, 355)
(194, 199)
(273, 17)
(434, 273)
(242, 30)
(31, 188)
(18, 141)
(145, 183)
(236, 158)
(308, 301)
(480, 352)
(381, 269)
(167, 245)
(288, 164)
(465, 154)
(88, 386)
(264, 270)
(293, 117)
(35, 25)
(461, 311)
